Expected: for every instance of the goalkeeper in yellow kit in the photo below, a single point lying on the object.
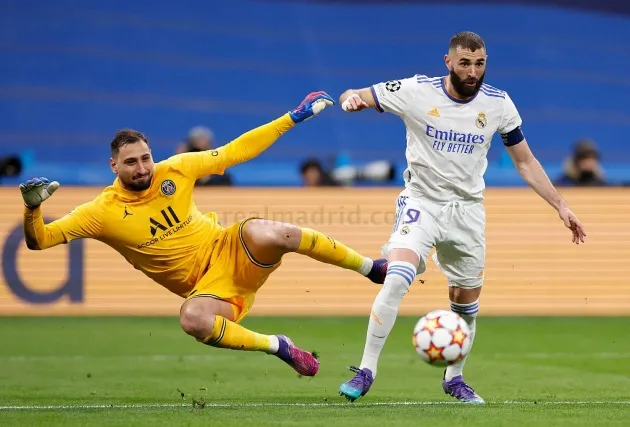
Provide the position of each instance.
(148, 215)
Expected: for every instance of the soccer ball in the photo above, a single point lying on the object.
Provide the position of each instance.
(441, 338)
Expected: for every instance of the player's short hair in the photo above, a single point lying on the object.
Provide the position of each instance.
(467, 40)
(124, 137)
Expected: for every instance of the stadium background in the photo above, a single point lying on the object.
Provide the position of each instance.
(72, 73)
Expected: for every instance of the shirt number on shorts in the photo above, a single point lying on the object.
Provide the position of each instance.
(411, 216)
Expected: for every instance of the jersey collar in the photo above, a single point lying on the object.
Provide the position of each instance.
(459, 101)
(131, 195)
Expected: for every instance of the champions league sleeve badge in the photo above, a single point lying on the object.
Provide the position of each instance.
(393, 85)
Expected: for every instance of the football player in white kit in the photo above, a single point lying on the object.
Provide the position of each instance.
(450, 122)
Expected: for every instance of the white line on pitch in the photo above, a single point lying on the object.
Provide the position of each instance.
(288, 404)
(202, 357)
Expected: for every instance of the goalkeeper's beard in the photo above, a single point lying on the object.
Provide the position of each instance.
(140, 184)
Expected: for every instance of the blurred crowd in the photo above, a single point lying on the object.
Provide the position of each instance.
(312, 171)
(581, 168)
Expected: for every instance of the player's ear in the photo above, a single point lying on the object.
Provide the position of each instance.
(447, 62)
(112, 165)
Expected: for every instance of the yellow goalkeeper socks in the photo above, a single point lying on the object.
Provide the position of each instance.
(325, 249)
(228, 334)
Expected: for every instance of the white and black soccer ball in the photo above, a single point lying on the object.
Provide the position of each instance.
(441, 338)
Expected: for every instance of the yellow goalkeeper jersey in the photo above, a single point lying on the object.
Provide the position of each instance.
(159, 231)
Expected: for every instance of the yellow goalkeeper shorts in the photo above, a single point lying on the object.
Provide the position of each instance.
(233, 275)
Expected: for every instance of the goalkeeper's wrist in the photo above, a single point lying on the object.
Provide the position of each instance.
(32, 207)
(287, 119)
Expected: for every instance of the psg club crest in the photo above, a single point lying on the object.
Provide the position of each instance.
(393, 85)
(168, 187)
(481, 121)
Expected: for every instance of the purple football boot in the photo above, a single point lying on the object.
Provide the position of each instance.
(305, 363)
(357, 386)
(461, 391)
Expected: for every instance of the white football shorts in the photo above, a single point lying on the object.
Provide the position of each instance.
(457, 230)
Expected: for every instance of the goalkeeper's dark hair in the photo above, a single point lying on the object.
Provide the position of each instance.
(124, 137)
(467, 40)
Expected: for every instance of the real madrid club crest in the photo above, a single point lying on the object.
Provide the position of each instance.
(481, 121)
(168, 187)
(404, 230)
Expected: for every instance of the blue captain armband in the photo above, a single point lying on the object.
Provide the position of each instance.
(513, 137)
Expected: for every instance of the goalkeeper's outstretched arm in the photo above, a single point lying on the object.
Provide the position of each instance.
(251, 144)
(246, 147)
(39, 236)
(84, 221)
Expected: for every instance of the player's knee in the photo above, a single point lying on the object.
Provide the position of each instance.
(400, 276)
(277, 235)
(285, 237)
(402, 254)
(195, 322)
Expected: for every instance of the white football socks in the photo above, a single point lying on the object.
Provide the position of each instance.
(468, 312)
(399, 277)
(274, 344)
(366, 267)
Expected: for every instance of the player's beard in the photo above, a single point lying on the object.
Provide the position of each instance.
(141, 184)
(460, 85)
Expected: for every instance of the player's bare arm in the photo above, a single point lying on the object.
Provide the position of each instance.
(357, 100)
(534, 175)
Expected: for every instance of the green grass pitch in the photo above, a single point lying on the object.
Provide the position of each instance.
(134, 371)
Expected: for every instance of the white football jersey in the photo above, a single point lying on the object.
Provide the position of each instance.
(447, 139)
